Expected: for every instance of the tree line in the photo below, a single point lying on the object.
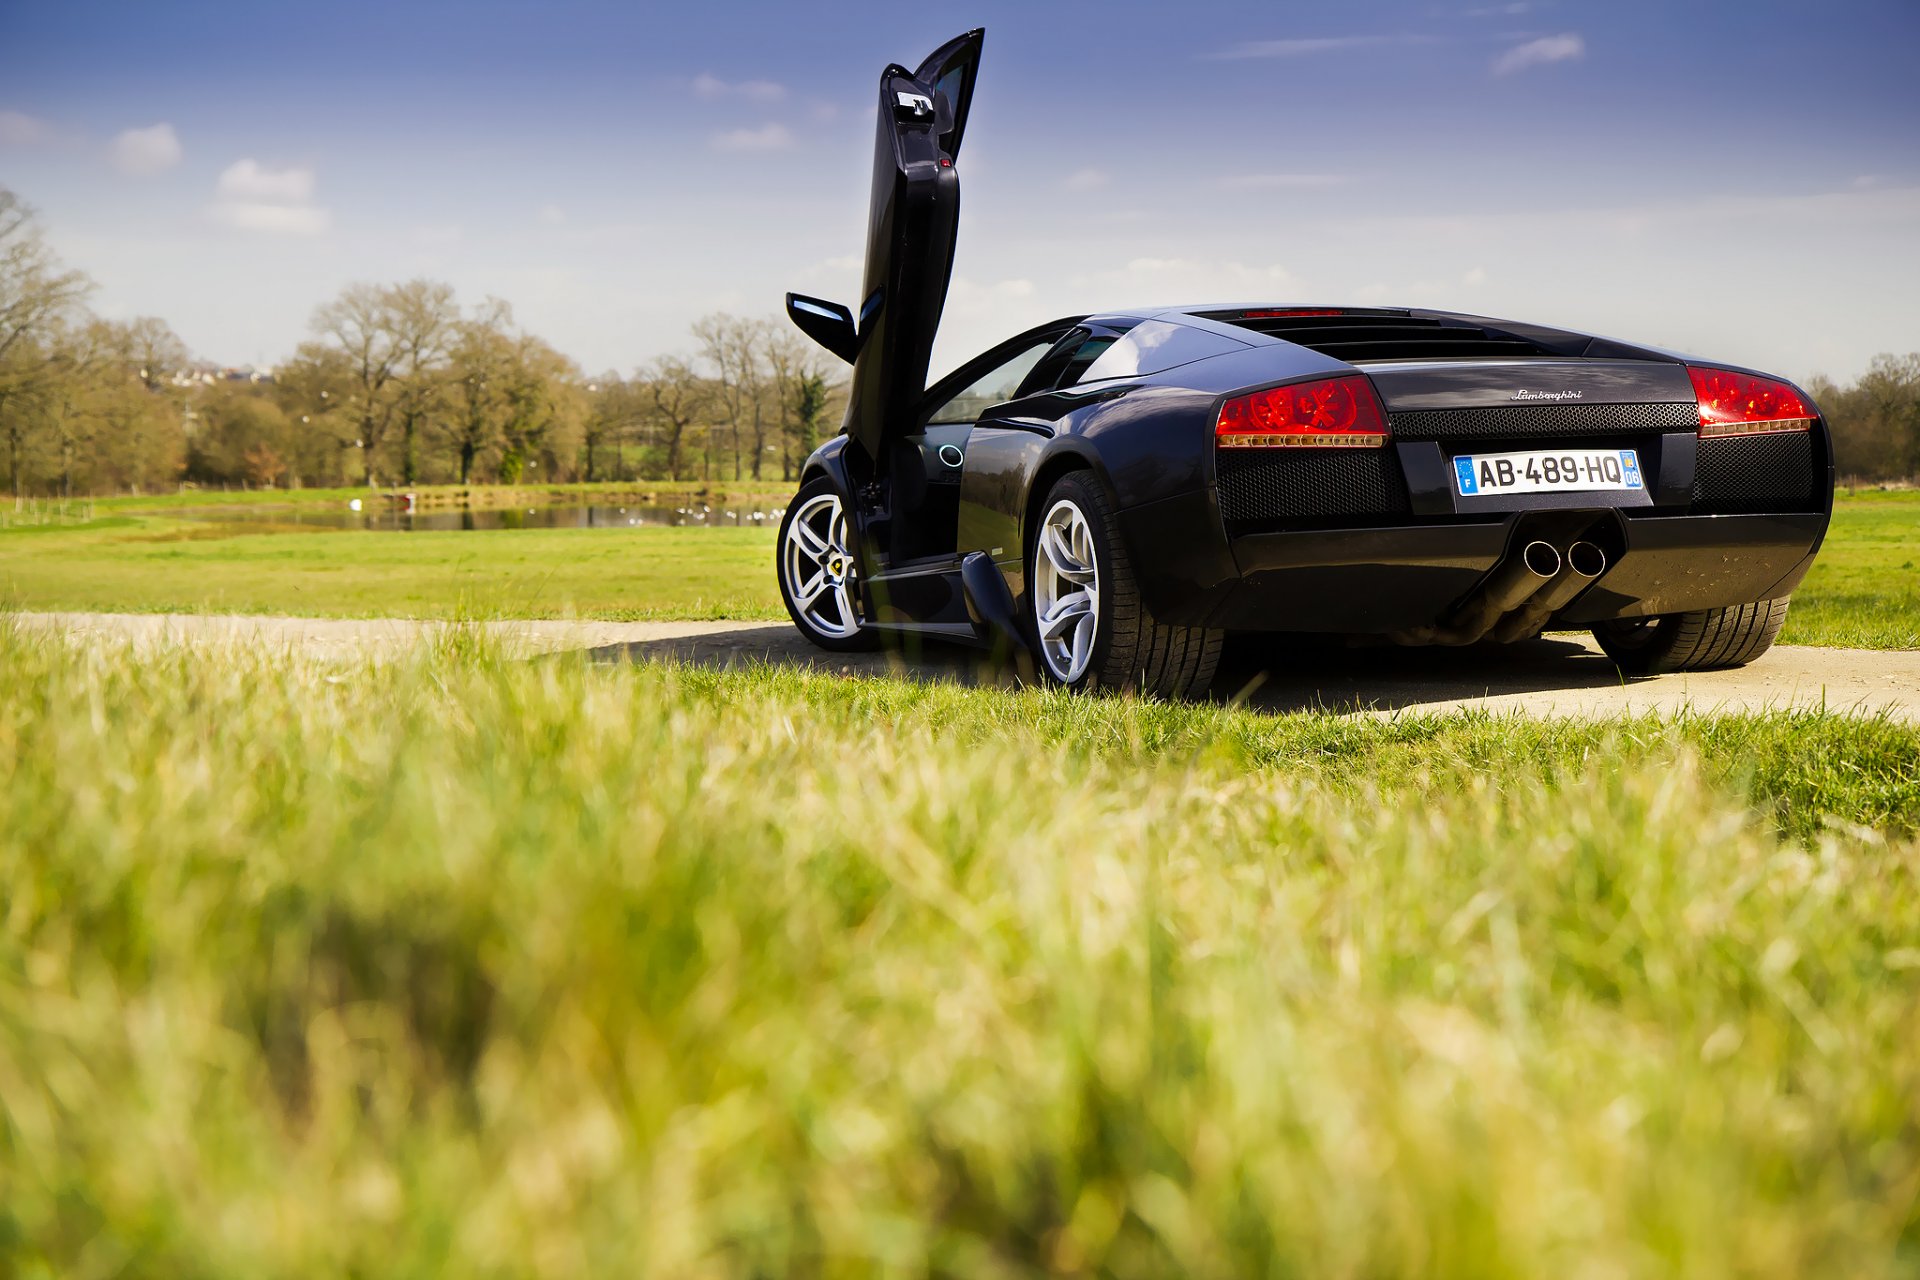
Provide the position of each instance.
(398, 384)
(1875, 420)
(401, 384)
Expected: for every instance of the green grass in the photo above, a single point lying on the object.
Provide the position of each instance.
(1864, 589)
(459, 965)
(140, 555)
(153, 565)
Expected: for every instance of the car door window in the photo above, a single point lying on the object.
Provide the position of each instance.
(996, 386)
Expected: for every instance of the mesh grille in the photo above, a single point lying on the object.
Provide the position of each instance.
(1281, 484)
(1739, 475)
(1543, 421)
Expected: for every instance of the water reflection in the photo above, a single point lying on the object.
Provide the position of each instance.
(557, 517)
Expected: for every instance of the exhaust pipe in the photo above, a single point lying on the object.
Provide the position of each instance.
(1510, 585)
(1585, 562)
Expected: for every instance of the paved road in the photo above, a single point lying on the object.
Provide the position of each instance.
(1559, 675)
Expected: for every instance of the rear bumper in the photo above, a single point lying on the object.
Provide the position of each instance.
(1395, 578)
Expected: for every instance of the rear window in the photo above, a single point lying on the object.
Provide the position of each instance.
(1068, 359)
(1154, 345)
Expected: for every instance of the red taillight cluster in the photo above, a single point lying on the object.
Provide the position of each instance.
(1740, 404)
(1327, 413)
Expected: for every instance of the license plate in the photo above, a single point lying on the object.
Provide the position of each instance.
(1547, 471)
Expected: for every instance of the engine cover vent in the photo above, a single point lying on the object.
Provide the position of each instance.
(1361, 335)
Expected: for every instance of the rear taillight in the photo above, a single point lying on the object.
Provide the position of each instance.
(1330, 413)
(1740, 404)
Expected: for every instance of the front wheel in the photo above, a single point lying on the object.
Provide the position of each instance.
(1092, 629)
(1700, 641)
(815, 566)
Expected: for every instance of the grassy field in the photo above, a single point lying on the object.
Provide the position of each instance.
(157, 565)
(1864, 590)
(459, 965)
(145, 555)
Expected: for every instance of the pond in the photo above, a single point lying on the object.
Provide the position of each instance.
(391, 520)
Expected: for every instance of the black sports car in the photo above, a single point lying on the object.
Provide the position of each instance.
(1113, 493)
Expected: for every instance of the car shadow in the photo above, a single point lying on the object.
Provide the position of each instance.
(1309, 674)
(779, 644)
(1278, 674)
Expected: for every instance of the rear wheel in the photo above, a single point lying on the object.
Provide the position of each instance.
(1092, 629)
(816, 572)
(1700, 641)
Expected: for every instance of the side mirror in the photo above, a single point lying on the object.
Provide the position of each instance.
(828, 323)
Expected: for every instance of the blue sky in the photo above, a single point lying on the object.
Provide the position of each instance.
(1741, 180)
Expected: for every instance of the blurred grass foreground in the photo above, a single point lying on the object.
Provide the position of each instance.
(459, 964)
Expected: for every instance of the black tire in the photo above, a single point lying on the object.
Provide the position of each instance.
(862, 637)
(1701, 641)
(1130, 651)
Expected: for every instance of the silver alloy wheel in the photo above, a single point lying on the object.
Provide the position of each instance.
(1066, 591)
(816, 569)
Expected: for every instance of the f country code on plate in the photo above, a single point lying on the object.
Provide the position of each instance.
(1558, 471)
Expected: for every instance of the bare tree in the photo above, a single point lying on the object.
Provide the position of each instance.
(679, 397)
(736, 349)
(422, 317)
(36, 299)
(615, 408)
(1891, 388)
(544, 406)
(482, 361)
(313, 390)
(149, 346)
(141, 428)
(356, 322)
(794, 364)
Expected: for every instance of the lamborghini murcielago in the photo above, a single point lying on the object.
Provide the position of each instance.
(1112, 494)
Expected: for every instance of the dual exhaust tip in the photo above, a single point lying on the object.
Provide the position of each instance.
(1583, 559)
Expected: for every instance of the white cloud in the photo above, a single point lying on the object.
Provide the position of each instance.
(551, 215)
(249, 180)
(1281, 181)
(18, 129)
(712, 89)
(141, 152)
(278, 219)
(1086, 180)
(252, 197)
(1538, 53)
(1475, 277)
(772, 137)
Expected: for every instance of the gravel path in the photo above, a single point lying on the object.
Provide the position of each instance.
(1558, 675)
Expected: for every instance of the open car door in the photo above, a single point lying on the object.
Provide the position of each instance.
(915, 206)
